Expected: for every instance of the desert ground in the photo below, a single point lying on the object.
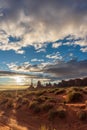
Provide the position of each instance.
(44, 109)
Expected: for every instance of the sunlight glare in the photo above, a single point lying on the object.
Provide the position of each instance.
(18, 80)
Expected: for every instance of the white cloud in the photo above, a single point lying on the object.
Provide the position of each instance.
(41, 50)
(54, 56)
(39, 60)
(84, 49)
(56, 44)
(38, 22)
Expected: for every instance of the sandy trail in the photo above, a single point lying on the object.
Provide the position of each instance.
(7, 123)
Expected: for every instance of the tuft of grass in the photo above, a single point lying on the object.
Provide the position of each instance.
(4, 101)
(40, 93)
(74, 97)
(53, 90)
(60, 91)
(46, 107)
(44, 127)
(25, 101)
(34, 106)
(82, 115)
(40, 99)
(52, 100)
(60, 112)
(9, 104)
(74, 89)
(52, 114)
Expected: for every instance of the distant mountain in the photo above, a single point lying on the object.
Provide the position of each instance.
(73, 82)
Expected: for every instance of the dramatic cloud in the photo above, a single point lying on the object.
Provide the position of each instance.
(25, 67)
(12, 74)
(40, 21)
(55, 70)
(64, 70)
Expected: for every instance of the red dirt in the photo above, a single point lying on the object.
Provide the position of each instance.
(24, 119)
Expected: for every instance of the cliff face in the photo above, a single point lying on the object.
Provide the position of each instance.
(73, 82)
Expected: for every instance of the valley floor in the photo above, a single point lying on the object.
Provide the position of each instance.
(47, 109)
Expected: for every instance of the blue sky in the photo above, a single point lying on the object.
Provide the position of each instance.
(46, 40)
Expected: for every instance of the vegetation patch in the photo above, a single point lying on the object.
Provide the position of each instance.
(60, 91)
(34, 106)
(60, 112)
(39, 93)
(82, 115)
(74, 97)
(46, 107)
(40, 99)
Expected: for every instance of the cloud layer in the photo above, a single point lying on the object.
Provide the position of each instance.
(37, 22)
(55, 71)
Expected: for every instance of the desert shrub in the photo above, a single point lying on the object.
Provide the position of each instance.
(60, 91)
(60, 112)
(43, 127)
(9, 95)
(74, 89)
(74, 97)
(39, 93)
(82, 115)
(53, 90)
(46, 98)
(25, 101)
(85, 91)
(34, 106)
(29, 93)
(46, 107)
(18, 106)
(52, 114)
(40, 99)
(52, 100)
(3, 101)
(37, 109)
(19, 99)
(9, 104)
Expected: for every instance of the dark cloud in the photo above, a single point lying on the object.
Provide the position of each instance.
(64, 70)
(9, 73)
(56, 70)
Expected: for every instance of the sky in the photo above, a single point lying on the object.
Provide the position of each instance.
(42, 39)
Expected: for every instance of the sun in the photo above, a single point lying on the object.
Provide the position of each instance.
(18, 80)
